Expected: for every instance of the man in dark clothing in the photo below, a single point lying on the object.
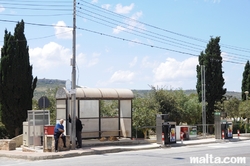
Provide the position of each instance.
(58, 132)
(78, 131)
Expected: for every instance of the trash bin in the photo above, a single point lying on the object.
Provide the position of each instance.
(185, 130)
(49, 130)
(169, 130)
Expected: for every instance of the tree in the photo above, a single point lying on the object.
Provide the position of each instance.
(245, 81)
(244, 108)
(144, 113)
(232, 107)
(192, 110)
(16, 81)
(214, 80)
(168, 104)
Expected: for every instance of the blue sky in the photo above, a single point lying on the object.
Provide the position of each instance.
(131, 44)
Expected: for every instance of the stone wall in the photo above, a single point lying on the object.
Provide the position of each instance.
(19, 140)
(7, 144)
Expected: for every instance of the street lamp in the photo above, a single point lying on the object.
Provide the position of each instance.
(246, 92)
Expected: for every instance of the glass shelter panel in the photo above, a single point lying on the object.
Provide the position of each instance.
(61, 114)
(109, 127)
(60, 104)
(125, 108)
(89, 108)
(109, 108)
(126, 127)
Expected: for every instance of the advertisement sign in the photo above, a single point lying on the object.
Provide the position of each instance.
(172, 135)
(193, 131)
(230, 130)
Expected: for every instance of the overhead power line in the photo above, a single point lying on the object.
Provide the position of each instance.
(26, 8)
(95, 7)
(35, 15)
(102, 19)
(145, 44)
(37, 24)
(157, 39)
(236, 61)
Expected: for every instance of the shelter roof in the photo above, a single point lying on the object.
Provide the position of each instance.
(96, 93)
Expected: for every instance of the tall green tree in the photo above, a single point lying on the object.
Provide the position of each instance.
(16, 81)
(245, 81)
(214, 80)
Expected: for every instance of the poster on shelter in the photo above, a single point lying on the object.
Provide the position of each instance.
(172, 135)
(230, 131)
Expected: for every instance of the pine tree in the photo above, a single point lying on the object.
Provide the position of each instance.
(16, 81)
(214, 80)
(245, 81)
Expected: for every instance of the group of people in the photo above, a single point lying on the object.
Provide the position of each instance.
(59, 133)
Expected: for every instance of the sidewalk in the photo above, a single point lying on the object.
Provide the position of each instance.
(93, 147)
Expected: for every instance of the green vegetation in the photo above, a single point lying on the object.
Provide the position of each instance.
(214, 80)
(16, 81)
(245, 81)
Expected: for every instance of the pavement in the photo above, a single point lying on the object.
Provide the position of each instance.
(96, 147)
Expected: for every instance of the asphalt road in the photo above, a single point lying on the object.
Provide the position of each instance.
(207, 154)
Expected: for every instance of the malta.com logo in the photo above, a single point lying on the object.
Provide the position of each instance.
(210, 159)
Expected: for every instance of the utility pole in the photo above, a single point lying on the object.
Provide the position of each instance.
(73, 91)
(203, 94)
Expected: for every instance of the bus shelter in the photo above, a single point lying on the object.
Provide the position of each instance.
(103, 112)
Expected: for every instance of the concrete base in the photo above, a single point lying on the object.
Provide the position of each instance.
(49, 144)
(7, 144)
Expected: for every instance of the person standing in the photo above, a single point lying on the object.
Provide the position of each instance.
(78, 131)
(58, 133)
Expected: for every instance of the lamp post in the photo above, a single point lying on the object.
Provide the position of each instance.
(246, 92)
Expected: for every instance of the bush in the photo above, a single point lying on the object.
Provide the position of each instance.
(3, 131)
(240, 126)
(139, 133)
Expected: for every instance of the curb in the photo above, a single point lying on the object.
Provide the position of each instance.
(66, 154)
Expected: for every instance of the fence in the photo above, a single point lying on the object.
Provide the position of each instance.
(210, 129)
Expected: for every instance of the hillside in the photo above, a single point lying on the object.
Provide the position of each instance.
(44, 84)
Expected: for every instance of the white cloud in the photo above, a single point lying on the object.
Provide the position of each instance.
(106, 6)
(173, 72)
(118, 29)
(132, 24)
(94, 1)
(133, 63)
(1, 8)
(50, 56)
(122, 76)
(62, 31)
(133, 21)
(123, 9)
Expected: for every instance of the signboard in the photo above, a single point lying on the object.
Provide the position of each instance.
(43, 102)
(217, 113)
